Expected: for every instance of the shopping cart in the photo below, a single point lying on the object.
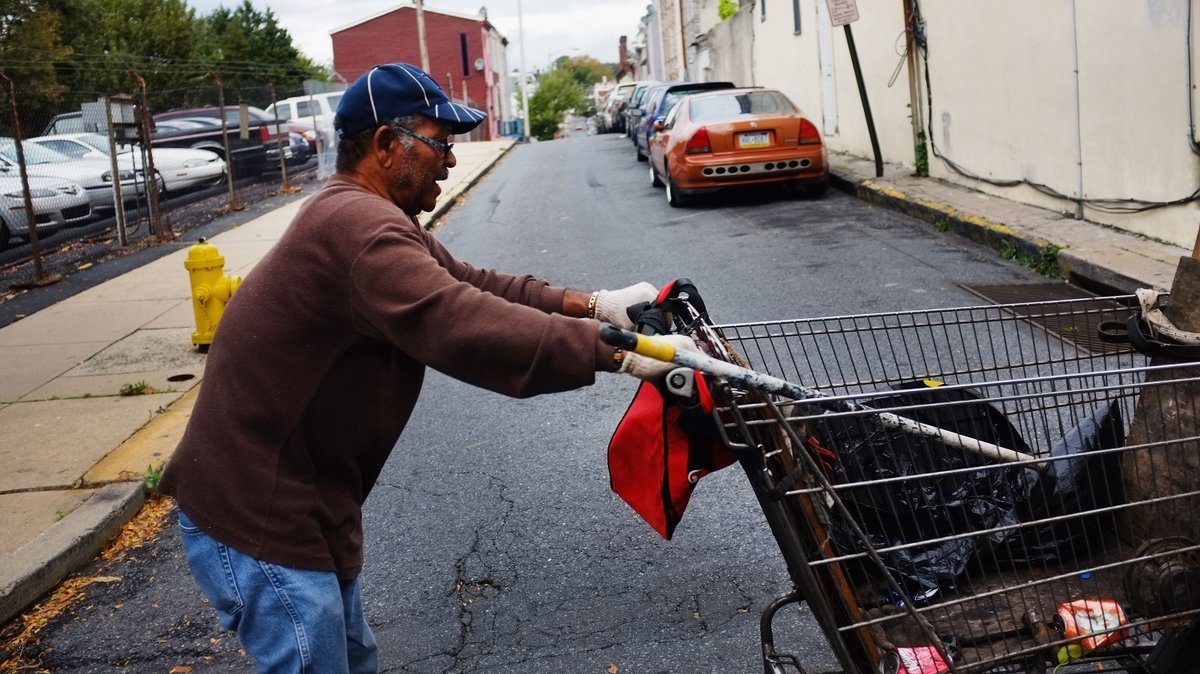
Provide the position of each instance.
(979, 489)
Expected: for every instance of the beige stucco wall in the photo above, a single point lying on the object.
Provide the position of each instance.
(1006, 103)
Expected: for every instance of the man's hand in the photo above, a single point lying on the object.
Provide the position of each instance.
(652, 369)
(611, 304)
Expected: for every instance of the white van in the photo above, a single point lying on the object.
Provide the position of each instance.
(302, 110)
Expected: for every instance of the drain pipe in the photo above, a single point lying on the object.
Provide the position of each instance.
(1078, 114)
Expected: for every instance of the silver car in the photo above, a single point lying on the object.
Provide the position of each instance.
(56, 203)
(94, 174)
(178, 168)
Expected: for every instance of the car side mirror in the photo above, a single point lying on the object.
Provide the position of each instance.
(658, 125)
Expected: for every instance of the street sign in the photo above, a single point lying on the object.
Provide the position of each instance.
(842, 12)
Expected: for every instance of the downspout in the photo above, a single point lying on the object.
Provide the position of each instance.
(1078, 113)
(1191, 87)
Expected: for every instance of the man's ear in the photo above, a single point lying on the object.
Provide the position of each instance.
(381, 145)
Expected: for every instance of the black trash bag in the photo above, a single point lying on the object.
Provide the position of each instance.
(935, 503)
(1077, 482)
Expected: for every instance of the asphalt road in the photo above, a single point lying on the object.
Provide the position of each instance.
(493, 541)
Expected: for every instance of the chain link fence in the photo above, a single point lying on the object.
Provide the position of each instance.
(103, 158)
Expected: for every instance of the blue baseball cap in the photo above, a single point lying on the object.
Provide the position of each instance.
(394, 90)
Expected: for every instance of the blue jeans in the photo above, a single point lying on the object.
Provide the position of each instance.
(288, 619)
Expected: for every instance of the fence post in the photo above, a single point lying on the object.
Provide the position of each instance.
(40, 276)
(234, 204)
(282, 160)
(119, 199)
(156, 226)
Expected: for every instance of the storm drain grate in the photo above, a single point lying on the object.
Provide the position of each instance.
(1080, 327)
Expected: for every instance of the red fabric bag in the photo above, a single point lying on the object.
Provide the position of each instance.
(659, 452)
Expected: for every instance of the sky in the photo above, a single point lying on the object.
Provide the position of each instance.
(552, 28)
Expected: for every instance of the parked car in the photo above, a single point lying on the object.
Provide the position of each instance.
(178, 168)
(70, 122)
(260, 121)
(200, 128)
(56, 203)
(316, 110)
(657, 103)
(633, 109)
(736, 137)
(616, 108)
(95, 175)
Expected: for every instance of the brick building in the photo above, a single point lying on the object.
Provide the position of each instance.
(466, 56)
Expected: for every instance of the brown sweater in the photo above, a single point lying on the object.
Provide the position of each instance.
(318, 361)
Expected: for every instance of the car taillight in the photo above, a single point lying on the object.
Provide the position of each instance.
(809, 133)
(265, 131)
(698, 143)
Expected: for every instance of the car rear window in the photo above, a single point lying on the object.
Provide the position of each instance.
(724, 106)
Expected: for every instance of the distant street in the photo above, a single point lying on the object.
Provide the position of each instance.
(494, 544)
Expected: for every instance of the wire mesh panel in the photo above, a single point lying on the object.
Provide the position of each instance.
(1008, 537)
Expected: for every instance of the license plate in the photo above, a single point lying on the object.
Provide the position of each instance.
(754, 139)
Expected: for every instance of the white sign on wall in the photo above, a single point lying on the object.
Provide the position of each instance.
(842, 12)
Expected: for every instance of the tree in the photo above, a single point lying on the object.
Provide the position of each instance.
(584, 69)
(557, 92)
(247, 46)
(114, 37)
(30, 45)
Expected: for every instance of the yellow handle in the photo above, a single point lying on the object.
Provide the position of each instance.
(653, 347)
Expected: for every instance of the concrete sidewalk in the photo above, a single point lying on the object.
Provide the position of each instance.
(75, 452)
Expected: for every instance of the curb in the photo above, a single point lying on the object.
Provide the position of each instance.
(39, 565)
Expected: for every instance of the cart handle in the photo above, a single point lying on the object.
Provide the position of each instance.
(661, 349)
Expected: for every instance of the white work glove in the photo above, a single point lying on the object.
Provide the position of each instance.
(653, 369)
(611, 304)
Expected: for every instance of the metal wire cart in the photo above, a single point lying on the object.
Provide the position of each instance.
(982, 489)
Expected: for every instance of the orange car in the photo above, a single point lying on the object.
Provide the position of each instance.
(736, 137)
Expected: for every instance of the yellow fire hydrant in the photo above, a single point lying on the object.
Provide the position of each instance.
(211, 290)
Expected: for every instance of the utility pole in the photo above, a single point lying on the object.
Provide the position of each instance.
(421, 34)
(524, 81)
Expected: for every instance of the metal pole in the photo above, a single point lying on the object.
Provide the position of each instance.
(862, 93)
(282, 163)
(234, 204)
(156, 225)
(40, 277)
(118, 198)
(524, 80)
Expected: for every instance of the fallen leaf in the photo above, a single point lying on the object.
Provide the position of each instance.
(179, 669)
(612, 668)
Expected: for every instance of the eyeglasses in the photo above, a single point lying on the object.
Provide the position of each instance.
(438, 145)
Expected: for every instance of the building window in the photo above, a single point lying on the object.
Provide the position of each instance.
(466, 62)
(762, 4)
(796, 16)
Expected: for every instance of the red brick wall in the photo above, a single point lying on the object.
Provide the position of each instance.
(393, 37)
